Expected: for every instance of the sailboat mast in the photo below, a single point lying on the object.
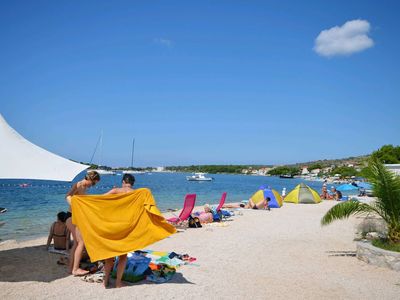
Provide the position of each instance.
(133, 151)
(95, 149)
(101, 148)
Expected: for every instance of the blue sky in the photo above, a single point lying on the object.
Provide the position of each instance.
(205, 82)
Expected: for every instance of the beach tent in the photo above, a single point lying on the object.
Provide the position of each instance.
(263, 193)
(347, 187)
(21, 159)
(302, 193)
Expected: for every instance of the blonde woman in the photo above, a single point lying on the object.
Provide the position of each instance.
(75, 256)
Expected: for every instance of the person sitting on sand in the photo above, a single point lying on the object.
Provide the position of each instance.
(79, 188)
(59, 233)
(336, 195)
(324, 193)
(127, 186)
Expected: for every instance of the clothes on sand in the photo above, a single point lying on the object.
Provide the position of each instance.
(113, 225)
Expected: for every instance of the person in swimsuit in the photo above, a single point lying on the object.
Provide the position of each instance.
(79, 188)
(59, 233)
(205, 216)
(263, 204)
(127, 186)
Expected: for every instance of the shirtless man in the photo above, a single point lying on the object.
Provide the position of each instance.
(79, 188)
(127, 183)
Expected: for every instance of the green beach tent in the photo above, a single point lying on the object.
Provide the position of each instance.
(302, 193)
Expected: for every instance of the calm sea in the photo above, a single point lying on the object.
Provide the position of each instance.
(32, 209)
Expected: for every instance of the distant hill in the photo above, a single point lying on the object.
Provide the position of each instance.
(355, 160)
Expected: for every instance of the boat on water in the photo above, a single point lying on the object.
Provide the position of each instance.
(131, 170)
(199, 177)
(104, 172)
(286, 176)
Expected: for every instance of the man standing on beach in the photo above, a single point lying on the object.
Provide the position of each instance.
(127, 186)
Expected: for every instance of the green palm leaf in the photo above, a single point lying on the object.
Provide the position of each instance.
(386, 187)
(345, 210)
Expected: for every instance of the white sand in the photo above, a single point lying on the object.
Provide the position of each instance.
(279, 254)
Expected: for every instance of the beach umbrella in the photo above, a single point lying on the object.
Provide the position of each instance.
(302, 193)
(364, 185)
(346, 187)
(264, 193)
(21, 159)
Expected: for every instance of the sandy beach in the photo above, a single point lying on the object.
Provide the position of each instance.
(279, 254)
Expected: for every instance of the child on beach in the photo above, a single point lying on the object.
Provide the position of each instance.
(59, 233)
(127, 186)
(79, 188)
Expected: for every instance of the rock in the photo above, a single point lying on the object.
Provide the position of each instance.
(372, 235)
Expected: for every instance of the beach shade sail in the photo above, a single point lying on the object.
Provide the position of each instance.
(263, 193)
(346, 187)
(21, 159)
(302, 193)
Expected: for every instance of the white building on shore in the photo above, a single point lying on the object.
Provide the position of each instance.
(395, 168)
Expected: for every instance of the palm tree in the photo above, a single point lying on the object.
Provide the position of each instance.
(386, 187)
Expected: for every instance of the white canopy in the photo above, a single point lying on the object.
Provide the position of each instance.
(20, 159)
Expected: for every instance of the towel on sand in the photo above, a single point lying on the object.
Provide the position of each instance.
(113, 225)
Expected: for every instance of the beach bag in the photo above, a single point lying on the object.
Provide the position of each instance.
(226, 213)
(136, 266)
(194, 222)
(217, 216)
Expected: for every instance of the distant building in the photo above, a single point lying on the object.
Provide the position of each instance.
(327, 170)
(160, 169)
(395, 168)
(316, 171)
(304, 171)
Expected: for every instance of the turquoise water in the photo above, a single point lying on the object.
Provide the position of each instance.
(32, 209)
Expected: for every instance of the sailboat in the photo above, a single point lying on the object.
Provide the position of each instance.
(131, 171)
(100, 171)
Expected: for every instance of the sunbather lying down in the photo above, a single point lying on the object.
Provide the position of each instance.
(205, 216)
(262, 204)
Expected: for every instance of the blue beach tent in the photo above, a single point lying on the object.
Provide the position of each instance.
(264, 193)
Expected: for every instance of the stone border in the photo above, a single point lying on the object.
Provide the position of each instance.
(377, 256)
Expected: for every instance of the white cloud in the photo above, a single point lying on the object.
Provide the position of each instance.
(164, 42)
(347, 39)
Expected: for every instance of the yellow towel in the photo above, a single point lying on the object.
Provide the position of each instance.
(113, 225)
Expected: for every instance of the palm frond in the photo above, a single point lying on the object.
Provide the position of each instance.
(344, 210)
(386, 187)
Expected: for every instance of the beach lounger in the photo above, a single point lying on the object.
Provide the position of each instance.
(188, 205)
(221, 202)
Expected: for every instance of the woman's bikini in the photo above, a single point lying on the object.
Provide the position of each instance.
(64, 236)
